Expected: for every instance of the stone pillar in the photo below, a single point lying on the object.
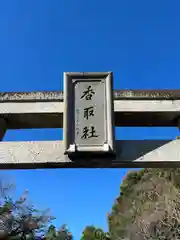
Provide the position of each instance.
(3, 127)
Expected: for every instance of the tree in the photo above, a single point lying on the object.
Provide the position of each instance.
(93, 233)
(148, 206)
(21, 220)
(61, 234)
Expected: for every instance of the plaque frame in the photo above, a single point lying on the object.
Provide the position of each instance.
(70, 146)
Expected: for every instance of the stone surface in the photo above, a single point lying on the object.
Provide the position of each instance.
(131, 108)
(50, 154)
(49, 114)
(118, 95)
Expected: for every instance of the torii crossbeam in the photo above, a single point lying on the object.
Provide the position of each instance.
(27, 110)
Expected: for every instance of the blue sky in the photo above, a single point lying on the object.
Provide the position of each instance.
(39, 40)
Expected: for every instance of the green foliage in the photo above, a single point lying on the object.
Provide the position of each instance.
(131, 179)
(64, 234)
(20, 220)
(92, 233)
(51, 233)
(148, 206)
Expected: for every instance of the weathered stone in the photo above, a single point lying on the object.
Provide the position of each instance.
(50, 154)
(118, 95)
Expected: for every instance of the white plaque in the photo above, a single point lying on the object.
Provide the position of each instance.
(88, 124)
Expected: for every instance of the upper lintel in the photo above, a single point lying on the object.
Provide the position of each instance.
(48, 96)
(131, 107)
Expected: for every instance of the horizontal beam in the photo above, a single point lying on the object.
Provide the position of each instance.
(127, 113)
(117, 94)
(130, 153)
(131, 108)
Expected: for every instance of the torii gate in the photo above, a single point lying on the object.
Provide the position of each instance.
(28, 110)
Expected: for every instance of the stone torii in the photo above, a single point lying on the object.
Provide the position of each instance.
(28, 110)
